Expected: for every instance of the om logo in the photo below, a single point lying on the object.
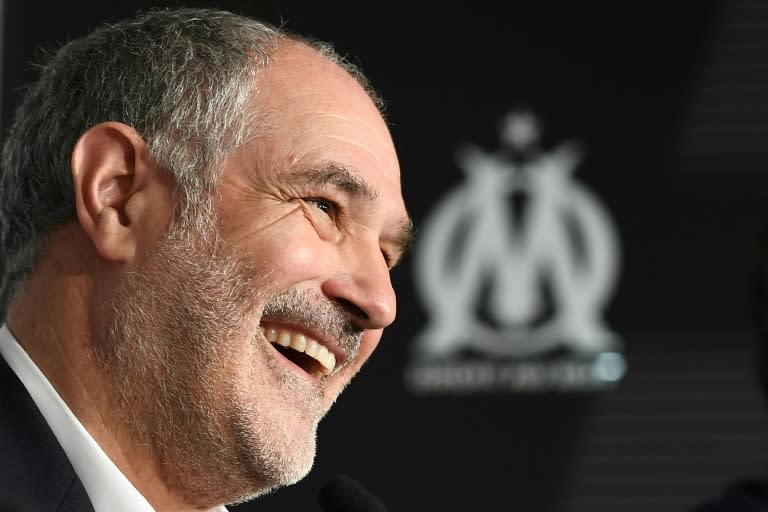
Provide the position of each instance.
(520, 259)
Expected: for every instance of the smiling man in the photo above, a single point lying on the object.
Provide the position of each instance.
(198, 217)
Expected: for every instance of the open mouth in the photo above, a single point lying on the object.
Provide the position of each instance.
(303, 351)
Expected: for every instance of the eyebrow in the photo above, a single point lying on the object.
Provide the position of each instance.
(354, 185)
(339, 177)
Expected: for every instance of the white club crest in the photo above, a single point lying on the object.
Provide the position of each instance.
(509, 281)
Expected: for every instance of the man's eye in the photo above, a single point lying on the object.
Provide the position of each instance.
(324, 205)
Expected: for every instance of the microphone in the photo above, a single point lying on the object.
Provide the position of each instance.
(343, 494)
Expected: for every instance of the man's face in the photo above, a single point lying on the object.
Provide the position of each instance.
(254, 328)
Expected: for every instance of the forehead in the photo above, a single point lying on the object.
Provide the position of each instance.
(317, 112)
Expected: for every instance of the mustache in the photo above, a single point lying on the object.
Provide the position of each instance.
(330, 319)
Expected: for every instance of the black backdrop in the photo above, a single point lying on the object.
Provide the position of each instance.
(670, 100)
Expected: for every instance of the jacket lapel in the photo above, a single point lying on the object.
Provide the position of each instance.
(35, 473)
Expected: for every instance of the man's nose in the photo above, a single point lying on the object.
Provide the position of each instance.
(363, 287)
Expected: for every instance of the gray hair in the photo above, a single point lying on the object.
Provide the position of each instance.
(181, 78)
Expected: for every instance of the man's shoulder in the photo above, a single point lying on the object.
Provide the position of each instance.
(35, 474)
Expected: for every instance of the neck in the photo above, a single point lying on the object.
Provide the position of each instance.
(59, 342)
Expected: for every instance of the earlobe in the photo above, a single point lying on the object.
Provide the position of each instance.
(108, 170)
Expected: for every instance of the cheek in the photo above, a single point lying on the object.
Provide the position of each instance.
(292, 252)
(300, 262)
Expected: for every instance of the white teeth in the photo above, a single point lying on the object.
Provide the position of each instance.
(301, 343)
(284, 338)
(313, 349)
(322, 353)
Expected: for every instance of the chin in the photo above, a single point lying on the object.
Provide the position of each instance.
(276, 459)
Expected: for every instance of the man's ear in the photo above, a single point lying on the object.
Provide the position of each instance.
(112, 172)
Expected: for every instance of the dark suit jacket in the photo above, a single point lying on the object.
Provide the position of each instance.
(35, 473)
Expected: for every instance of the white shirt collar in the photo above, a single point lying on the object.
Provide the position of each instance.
(107, 487)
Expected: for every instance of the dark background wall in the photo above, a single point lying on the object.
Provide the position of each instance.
(670, 100)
